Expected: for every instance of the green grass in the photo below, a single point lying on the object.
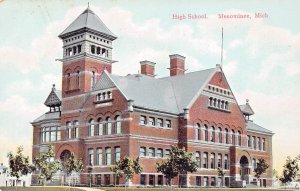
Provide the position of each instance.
(40, 188)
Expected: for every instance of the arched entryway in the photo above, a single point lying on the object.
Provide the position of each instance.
(65, 155)
(244, 168)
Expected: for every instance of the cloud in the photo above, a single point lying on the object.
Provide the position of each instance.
(230, 68)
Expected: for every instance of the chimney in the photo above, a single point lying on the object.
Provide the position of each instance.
(177, 63)
(147, 68)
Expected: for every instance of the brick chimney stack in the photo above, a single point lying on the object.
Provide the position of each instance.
(148, 68)
(177, 64)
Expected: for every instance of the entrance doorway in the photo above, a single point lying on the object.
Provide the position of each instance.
(244, 164)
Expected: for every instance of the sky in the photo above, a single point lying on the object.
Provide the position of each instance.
(261, 56)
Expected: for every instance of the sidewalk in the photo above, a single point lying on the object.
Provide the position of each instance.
(89, 189)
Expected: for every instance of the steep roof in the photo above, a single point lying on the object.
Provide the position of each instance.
(54, 98)
(169, 94)
(88, 20)
(254, 127)
(246, 108)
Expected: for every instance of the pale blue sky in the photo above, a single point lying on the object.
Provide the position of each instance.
(261, 56)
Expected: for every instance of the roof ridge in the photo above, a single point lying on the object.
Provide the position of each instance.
(185, 73)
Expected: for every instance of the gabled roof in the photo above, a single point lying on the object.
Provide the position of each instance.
(88, 20)
(54, 98)
(168, 94)
(254, 127)
(246, 109)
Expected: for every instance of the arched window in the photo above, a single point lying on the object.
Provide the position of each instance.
(76, 129)
(197, 131)
(215, 102)
(198, 158)
(226, 106)
(226, 163)
(254, 163)
(93, 49)
(212, 135)
(78, 79)
(100, 126)
(91, 157)
(74, 50)
(103, 52)
(226, 136)
(219, 103)
(222, 104)
(220, 137)
(205, 160)
(210, 101)
(212, 160)
(91, 128)
(232, 137)
(108, 95)
(239, 136)
(98, 50)
(219, 160)
(108, 126)
(206, 133)
(117, 124)
(79, 48)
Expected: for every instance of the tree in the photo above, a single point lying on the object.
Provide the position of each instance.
(128, 166)
(19, 164)
(261, 167)
(180, 162)
(71, 165)
(46, 164)
(117, 171)
(221, 174)
(290, 171)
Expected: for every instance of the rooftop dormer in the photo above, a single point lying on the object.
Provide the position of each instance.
(54, 100)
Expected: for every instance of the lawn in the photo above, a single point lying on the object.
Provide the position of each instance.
(40, 188)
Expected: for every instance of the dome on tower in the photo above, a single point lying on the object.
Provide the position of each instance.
(88, 21)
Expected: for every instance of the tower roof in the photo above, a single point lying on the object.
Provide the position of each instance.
(54, 98)
(246, 109)
(88, 21)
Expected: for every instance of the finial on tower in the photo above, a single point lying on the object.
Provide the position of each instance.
(247, 101)
(53, 86)
(88, 5)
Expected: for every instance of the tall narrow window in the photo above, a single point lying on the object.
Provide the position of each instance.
(117, 154)
(142, 151)
(248, 141)
(206, 133)
(76, 130)
(226, 136)
(167, 153)
(198, 158)
(219, 160)
(78, 79)
(108, 156)
(100, 126)
(220, 137)
(232, 137)
(226, 164)
(117, 124)
(99, 156)
(69, 130)
(108, 126)
(68, 81)
(205, 160)
(205, 181)
(91, 157)
(210, 101)
(258, 143)
(198, 131)
(93, 79)
(212, 135)
(212, 160)
(263, 144)
(93, 49)
(239, 136)
(254, 163)
(91, 127)
(254, 142)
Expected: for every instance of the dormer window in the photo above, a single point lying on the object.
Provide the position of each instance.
(218, 104)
